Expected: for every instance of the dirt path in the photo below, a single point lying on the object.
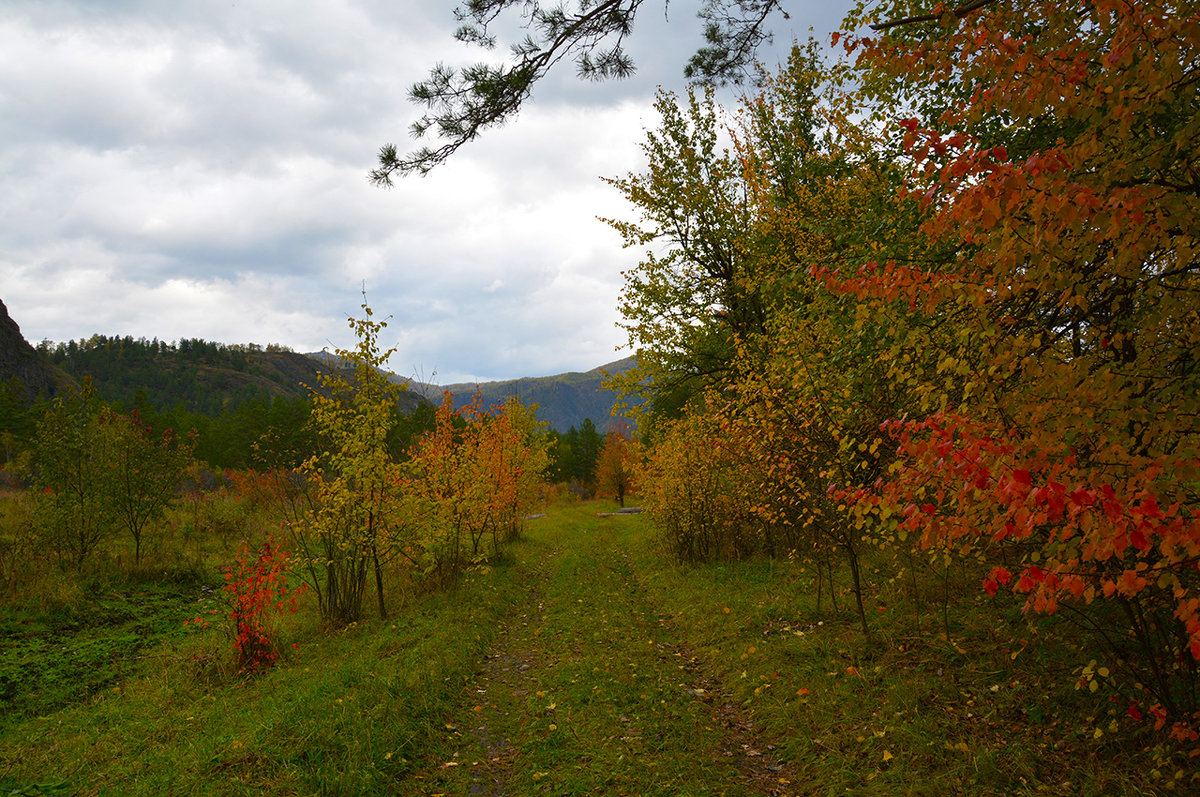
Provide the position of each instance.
(589, 689)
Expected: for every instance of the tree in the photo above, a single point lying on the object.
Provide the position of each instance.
(617, 463)
(1053, 147)
(786, 381)
(696, 490)
(461, 104)
(683, 308)
(143, 472)
(102, 471)
(70, 467)
(356, 478)
(470, 480)
(586, 452)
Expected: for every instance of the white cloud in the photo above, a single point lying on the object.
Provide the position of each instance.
(199, 170)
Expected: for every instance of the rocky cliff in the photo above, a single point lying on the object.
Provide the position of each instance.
(20, 364)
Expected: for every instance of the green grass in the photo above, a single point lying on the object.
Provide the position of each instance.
(54, 655)
(585, 662)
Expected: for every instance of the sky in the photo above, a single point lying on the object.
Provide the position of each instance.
(199, 170)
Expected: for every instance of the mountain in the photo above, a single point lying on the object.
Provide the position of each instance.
(198, 375)
(21, 367)
(563, 400)
(212, 378)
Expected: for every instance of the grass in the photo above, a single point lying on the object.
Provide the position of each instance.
(586, 662)
(56, 654)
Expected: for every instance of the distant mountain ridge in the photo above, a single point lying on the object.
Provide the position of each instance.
(209, 377)
(195, 375)
(563, 400)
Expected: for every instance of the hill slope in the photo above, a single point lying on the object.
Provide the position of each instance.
(200, 376)
(21, 366)
(210, 378)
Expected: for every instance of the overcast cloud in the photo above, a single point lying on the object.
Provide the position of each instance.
(199, 169)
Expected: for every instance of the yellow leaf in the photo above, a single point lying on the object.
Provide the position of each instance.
(887, 755)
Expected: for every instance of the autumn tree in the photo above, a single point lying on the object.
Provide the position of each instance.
(617, 464)
(799, 386)
(1053, 148)
(470, 480)
(348, 532)
(695, 490)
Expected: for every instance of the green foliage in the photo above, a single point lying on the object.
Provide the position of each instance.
(127, 370)
(349, 530)
(20, 543)
(18, 423)
(72, 468)
(682, 309)
(144, 473)
(100, 472)
(574, 454)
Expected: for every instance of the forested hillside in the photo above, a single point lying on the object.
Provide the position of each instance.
(230, 395)
(199, 375)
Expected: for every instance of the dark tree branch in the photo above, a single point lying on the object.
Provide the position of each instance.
(461, 103)
(959, 12)
(733, 37)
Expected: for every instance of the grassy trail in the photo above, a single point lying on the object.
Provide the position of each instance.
(588, 689)
(583, 661)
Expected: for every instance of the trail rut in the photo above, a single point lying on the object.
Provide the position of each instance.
(591, 688)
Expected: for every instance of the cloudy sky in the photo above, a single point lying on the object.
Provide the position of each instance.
(198, 169)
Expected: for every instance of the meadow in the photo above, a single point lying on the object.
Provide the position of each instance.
(581, 660)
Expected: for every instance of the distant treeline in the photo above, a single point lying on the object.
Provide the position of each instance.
(160, 374)
(255, 433)
(217, 391)
(573, 455)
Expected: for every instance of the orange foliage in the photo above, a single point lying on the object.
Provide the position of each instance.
(1069, 433)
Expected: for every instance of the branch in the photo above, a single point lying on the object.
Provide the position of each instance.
(461, 104)
(732, 39)
(482, 96)
(959, 12)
